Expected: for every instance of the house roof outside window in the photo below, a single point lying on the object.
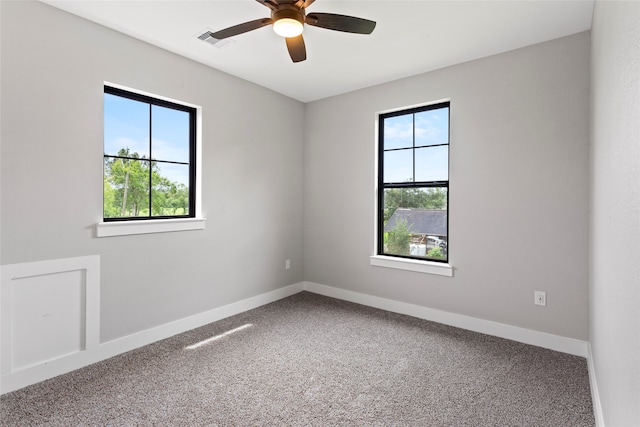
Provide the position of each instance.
(432, 222)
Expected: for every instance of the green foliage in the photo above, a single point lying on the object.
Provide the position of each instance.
(126, 188)
(427, 198)
(399, 238)
(435, 253)
(169, 198)
(110, 208)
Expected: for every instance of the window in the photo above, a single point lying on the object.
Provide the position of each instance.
(413, 183)
(149, 157)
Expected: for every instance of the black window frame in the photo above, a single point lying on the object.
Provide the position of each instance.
(382, 186)
(192, 111)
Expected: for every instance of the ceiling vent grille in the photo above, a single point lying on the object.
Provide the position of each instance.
(205, 36)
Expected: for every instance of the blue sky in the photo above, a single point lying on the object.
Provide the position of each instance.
(431, 128)
(126, 125)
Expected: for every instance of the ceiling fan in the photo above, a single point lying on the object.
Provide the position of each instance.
(288, 17)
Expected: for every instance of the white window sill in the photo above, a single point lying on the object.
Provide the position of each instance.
(428, 267)
(125, 228)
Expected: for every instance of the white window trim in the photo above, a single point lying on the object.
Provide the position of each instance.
(407, 264)
(125, 228)
(429, 267)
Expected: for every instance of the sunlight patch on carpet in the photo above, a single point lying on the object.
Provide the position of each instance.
(217, 337)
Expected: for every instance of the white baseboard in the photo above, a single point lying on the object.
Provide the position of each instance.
(31, 375)
(22, 378)
(167, 330)
(515, 333)
(595, 394)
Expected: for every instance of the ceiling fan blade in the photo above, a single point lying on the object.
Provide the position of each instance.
(296, 48)
(241, 28)
(347, 24)
(271, 4)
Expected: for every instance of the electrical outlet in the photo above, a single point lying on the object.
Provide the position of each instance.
(541, 298)
(287, 264)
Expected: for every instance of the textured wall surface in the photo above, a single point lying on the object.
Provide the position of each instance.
(615, 210)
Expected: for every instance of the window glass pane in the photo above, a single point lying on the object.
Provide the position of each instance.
(170, 130)
(432, 127)
(170, 195)
(126, 126)
(126, 188)
(398, 132)
(432, 163)
(415, 222)
(398, 166)
(420, 197)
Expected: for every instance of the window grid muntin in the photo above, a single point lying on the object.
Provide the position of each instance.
(382, 185)
(192, 153)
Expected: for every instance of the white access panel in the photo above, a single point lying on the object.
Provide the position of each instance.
(47, 317)
(50, 309)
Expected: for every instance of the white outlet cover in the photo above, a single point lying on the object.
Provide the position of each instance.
(540, 298)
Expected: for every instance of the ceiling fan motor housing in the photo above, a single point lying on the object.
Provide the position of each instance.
(289, 11)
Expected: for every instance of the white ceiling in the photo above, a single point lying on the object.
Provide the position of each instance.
(411, 37)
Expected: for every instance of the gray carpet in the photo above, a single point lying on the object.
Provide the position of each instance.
(310, 360)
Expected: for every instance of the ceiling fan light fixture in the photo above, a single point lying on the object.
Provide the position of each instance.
(288, 27)
(288, 18)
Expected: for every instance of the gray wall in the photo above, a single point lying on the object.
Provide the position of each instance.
(519, 183)
(615, 210)
(519, 193)
(53, 68)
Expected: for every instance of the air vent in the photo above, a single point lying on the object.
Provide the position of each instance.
(205, 36)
